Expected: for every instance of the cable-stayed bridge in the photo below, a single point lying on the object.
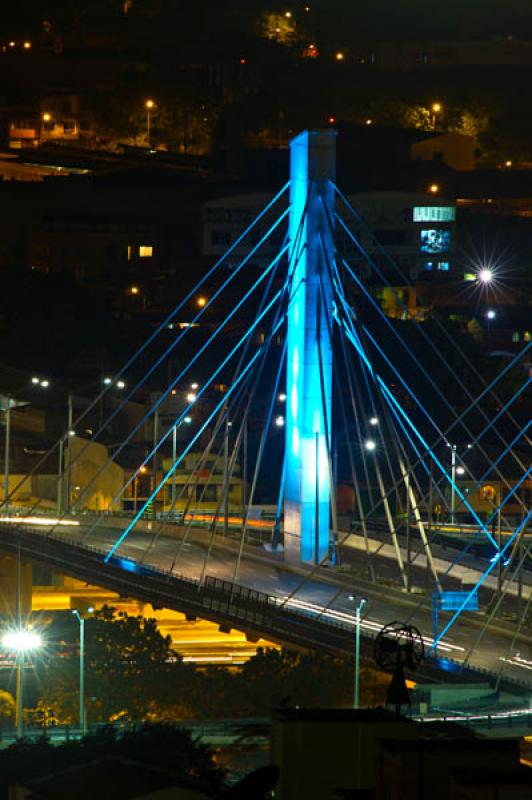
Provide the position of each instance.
(391, 410)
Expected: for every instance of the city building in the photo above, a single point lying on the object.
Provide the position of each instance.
(417, 230)
(325, 754)
(453, 149)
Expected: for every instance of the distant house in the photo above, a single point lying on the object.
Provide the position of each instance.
(453, 149)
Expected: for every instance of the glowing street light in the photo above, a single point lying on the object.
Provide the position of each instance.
(82, 713)
(191, 397)
(149, 105)
(194, 385)
(21, 641)
(370, 445)
(358, 611)
(373, 421)
(339, 56)
(279, 421)
(485, 275)
(282, 397)
(435, 108)
(120, 385)
(491, 314)
(201, 302)
(434, 188)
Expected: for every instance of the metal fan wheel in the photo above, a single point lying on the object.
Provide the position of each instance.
(399, 644)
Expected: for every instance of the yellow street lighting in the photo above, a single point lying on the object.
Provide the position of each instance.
(26, 45)
(368, 122)
(435, 108)
(339, 56)
(201, 302)
(288, 14)
(46, 117)
(434, 188)
(149, 106)
(134, 290)
(508, 163)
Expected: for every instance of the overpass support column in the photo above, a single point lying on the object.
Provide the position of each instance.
(309, 348)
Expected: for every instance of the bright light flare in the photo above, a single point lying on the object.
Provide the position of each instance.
(485, 275)
(22, 640)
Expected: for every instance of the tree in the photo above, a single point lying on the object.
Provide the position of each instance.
(162, 746)
(130, 671)
(7, 709)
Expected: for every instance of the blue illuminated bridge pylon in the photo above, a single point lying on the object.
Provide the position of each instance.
(307, 496)
(356, 394)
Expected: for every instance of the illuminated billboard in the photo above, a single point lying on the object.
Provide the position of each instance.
(435, 240)
(434, 213)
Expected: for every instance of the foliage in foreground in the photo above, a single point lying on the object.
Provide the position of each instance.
(131, 673)
(157, 745)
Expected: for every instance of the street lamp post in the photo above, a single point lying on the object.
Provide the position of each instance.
(435, 108)
(186, 421)
(82, 712)
(20, 641)
(149, 106)
(7, 438)
(358, 611)
(6, 404)
(453, 482)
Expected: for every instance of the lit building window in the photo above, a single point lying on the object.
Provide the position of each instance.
(443, 266)
(488, 493)
(428, 265)
(516, 336)
(527, 336)
(129, 252)
(145, 251)
(435, 240)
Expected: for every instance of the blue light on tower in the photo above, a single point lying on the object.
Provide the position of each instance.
(309, 348)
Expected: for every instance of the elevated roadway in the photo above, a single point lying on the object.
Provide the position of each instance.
(318, 615)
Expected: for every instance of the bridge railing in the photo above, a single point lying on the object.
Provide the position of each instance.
(230, 604)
